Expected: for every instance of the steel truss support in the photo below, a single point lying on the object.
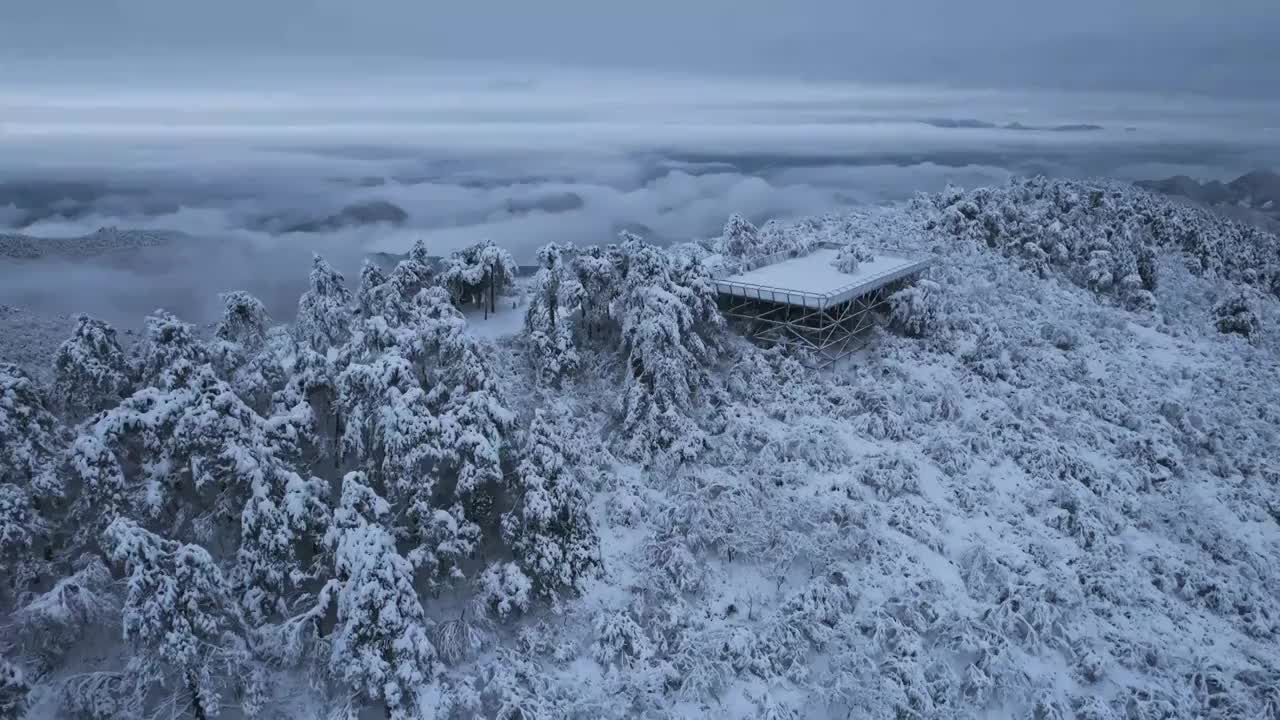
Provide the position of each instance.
(826, 333)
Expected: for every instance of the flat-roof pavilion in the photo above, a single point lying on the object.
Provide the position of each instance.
(805, 301)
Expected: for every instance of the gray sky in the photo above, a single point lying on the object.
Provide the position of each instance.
(1224, 46)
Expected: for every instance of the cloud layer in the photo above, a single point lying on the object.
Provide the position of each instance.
(525, 159)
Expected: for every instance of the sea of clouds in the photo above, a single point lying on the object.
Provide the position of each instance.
(259, 175)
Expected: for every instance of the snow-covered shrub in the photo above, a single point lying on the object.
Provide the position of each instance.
(456, 640)
(14, 689)
(1060, 335)
(918, 310)
(620, 641)
(851, 256)
(381, 645)
(504, 589)
(51, 622)
(100, 696)
(1236, 314)
(91, 371)
(324, 310)
(889, 475)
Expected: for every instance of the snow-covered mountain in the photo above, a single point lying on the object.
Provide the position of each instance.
(1257, 191)
(1048, 489)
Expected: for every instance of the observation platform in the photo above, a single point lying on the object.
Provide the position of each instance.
(806, 302)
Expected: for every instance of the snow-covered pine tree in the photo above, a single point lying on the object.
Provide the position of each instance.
(667, 357)
(549, 529)
(380, 645)
(599, 274)
(369, 294)
(479, 273)
(246, 350)
(178, 617)
(550, 318)
(479, 420)
(201, 458)
(500, 268)
(91, 371)
(740, 239)
(170, 352)
(391, 296)
(31, 438)
(324, 310)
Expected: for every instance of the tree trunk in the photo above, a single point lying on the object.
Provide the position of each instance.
(197, 708)
(493, 280)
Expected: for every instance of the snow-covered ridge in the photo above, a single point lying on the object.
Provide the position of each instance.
(1040, 493)
(105, 240)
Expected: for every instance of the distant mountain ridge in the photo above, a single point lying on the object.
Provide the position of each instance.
(1258, 190)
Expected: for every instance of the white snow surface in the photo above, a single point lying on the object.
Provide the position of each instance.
(813, 281)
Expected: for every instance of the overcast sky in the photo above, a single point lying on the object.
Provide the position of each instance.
(1224, 46)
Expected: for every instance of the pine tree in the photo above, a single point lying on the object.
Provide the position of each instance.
(178, 615)
(740, 239)
(667, 354)
(598, 271)
(91, 372)
(549, 530)
(369, 295)
(31, 438)
(201, 458)
(170, 352)
(246, 351)
(324, 310)
(381, 645)
(550, 318)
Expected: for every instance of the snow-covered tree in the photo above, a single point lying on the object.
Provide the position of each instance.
(919, 309)
(14, 689)
(667, 355)
(549, 321)
(31, 438)
(598, 271)
(324, 310)
(369, 295)
(244, 321)
(479, 423)
(380, 645)
(170, 352)
(549, 530)
(851, 256)
(740, 239)
(201, 457)
(178, 616)
(504, 589)
(1236, 314)
(479, 272)
(246, 350)
(91, 371)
